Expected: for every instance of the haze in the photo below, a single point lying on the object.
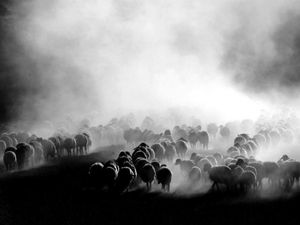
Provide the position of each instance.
(213, 60)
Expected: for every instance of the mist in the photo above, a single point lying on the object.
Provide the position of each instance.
(212, 60)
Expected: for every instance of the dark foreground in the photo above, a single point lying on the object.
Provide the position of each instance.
(58, 194)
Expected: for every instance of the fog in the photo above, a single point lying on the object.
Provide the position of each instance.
(211, 60)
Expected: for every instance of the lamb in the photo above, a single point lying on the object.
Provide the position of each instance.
(147, 175)
(220, 175)
(164, 177)
(10, 160)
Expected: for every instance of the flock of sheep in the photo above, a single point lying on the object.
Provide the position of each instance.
(235, 169)
(150, 157)
(21, 150)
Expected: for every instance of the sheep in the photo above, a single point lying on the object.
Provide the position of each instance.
(193, 156)
(197, 158)
(236, 173)
(138, 154)
(260, 140)
(56, 142)
(8, 141)
(151, 153)
(195, 174)
(259, 172)
(164, 177)
(247, 147)
(69, 144)
(193, 138)
(246, 136)
(139, 164)
(38, 152)
(212, 160)
(247, 180)
(271, 172)
(289, 172)
(251, 168)
(89, 142)
(220, 175)
(147, 175)
(181, 148)
(2, 147)
(253, 145)
(109, 176)
(23, 153)
(124, 179)
(49, 149)
(240, 140)
(81, 144)
(212, 129)
(113, 164)
(121, 160)
(227, 161)
(13, 149)
(156, 165)
(10, 160)
(170, 152)
(22, 137)
(159, 151)
(204, 164)
(185, 165)
(224, 131)
(219, 158)
(241, 162)
(95, 173)
(243, 152)
(204, 139)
